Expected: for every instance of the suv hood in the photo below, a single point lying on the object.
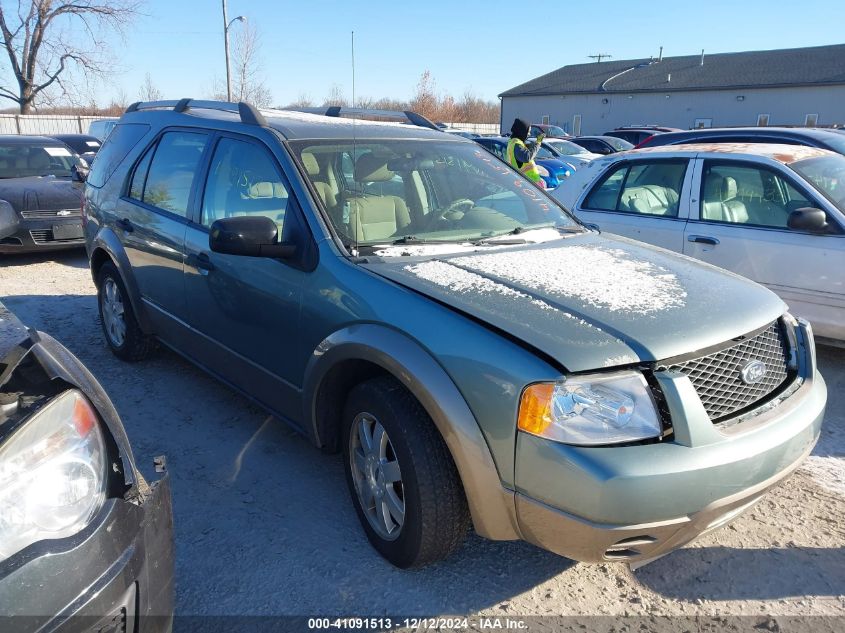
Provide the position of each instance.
(589, 301)
(40, 193)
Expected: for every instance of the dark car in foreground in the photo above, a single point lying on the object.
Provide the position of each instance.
(85, 145)
(812, 137)
(85, 541)
(40, 204)
(476, 354)
(601, 144)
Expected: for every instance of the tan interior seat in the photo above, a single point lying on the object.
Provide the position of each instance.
(324, 189)
(373, 217)
(735, 207)
(651, 200)
(720, 200)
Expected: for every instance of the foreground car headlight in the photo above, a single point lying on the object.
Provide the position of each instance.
(591, 410)
(52, 474)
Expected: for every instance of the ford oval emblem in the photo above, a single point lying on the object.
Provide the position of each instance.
(752, 372)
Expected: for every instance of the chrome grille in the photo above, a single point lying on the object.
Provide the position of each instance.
(51, 213)
(717, 379)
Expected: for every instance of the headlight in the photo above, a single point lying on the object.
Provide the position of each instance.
(52, 474)
(591, 410)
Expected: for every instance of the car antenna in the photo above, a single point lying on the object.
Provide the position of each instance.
(354, 151)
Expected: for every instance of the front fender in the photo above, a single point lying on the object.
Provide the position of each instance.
(490, 504)
(106, 241)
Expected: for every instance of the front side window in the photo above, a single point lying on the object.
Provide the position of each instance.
(827, 173)
(173, 165)
(748, 194)
(645, 188)
(243, 180)
(423, 191)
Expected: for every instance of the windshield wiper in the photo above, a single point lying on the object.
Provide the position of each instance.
(409, 239)
(502, 238)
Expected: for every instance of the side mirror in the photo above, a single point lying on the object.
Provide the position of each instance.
(253, 236)
(808, 219)
(80, 170)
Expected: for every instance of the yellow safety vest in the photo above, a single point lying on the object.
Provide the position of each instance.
(529, 168)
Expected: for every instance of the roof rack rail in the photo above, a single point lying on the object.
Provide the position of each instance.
(412, 117)
(247, 112)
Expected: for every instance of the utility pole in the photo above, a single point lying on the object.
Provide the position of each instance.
(226, 25)
(598, 56)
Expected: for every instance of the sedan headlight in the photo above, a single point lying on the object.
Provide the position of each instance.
(52, 474)
(591, 410)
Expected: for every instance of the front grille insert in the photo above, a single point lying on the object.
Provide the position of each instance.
(717, 377)
(45, 236)
(51, 213)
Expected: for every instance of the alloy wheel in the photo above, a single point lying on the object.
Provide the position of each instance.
(113, 313)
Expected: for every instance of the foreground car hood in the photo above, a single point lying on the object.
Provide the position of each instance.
(589, 302)
(36, 193)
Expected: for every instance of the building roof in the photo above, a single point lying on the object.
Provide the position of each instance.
(817, 65)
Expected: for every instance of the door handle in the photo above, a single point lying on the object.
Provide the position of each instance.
(125, 224)
(201, 262)
(703, 239)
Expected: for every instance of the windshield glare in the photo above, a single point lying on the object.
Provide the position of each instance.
(620, 145)
(567, 148)
(19, 160)
(827, 173)
(419, 191)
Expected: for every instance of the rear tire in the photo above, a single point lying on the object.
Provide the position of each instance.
(405, 487)
(120, 327)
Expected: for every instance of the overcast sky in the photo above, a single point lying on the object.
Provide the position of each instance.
(478, 45)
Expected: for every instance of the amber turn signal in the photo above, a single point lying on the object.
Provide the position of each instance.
(535, 408)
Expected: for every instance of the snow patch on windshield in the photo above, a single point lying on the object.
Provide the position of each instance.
(608, 278)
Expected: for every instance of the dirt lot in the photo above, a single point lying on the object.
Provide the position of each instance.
(264, 524)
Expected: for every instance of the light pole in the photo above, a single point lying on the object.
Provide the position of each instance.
(226, 24)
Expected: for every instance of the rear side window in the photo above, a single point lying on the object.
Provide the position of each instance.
(118, 144)
(644, 188)
(165, 175)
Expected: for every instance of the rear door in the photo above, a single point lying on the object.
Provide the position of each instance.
(645, 200)
(245, 310)
(151, 217)
(739, 222)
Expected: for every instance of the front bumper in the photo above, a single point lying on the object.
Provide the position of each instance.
(634, 503)
(115, 575)
(34, 235)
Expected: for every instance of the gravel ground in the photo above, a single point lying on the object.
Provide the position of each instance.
(264, 524)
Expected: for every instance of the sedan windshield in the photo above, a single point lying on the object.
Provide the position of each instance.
(827, 173)
(19, 160)
(422, 192)
(620, 145)
(566, 148)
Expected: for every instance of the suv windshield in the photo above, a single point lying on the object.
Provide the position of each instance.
(827, 173)
(421, 191)
(19, 160)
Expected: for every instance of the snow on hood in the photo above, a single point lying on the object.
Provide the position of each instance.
(592, 301)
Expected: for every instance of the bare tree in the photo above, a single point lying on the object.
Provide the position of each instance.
(424, 100)
(148, 91)
(335, 97)
(45, 38)
(247, 76)
(302, 101)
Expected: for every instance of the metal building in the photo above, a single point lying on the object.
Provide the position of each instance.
(798, 86)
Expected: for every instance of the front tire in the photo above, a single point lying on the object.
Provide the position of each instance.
(404, 484)
(120, 327)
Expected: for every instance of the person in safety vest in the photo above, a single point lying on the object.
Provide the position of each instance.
(521, 155)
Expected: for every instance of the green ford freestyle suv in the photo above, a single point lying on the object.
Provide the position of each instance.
(476, 354)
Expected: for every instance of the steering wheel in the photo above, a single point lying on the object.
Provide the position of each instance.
(461, 205)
